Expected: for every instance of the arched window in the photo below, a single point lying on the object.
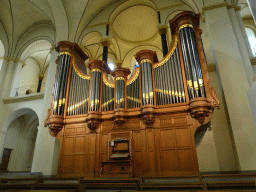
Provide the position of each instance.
(1, 53)
(252, 40)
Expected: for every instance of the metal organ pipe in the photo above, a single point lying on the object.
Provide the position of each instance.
(191, 60)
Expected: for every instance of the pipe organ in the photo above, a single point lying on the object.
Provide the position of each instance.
(153, 114)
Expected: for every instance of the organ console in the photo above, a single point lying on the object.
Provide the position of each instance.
(157, 110)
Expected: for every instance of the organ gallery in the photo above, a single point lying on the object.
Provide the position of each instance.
(133, 124)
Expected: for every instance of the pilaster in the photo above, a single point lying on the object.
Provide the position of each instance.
(234, 78)
(45, 143)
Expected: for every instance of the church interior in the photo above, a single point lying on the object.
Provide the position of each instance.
(127, 89)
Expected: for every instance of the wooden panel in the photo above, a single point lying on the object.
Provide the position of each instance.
(138, 160)
(180, 120)
(67, 163)
(91, 155)
(166, 122)
(81, 130)
(183, 137)
(169, 160)
(69, 131)
(167, 138)
(68, 145)
(137, 140)
(80, 143)
(104, 143)
(186, 160)
(78, 163)
(104, 157)
(150, 140)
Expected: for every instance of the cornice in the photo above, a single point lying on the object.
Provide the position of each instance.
(24, 98)
(172, 6)
(253, 61)
(215, 6)
(247, 18)
(211, 67)
(15, 60)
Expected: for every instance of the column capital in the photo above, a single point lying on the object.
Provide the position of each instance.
(41, 76)
(106, 42)
(162, 29)
(13, 60)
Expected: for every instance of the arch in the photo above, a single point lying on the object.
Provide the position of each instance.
(20, 124)
(2, 52)
(252, 39)
(39, 31)
(15, 115)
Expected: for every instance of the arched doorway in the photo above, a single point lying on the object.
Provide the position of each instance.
(19, 142)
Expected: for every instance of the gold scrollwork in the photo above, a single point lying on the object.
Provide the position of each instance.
(120, 78)
(170, 54)
(137, 72)
(95, 70)
(105, 80)
(185, 25)
(78, 72)
(145, 60)
(65, 53)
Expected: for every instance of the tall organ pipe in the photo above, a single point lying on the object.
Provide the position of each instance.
(187, 66)
(196, 59)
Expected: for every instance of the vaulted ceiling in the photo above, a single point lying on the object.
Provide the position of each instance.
(23, 22)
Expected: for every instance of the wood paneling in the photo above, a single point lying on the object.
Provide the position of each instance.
(166, 149)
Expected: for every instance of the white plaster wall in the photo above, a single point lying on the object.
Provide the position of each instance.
(226, 154)
(206, 151)
(29, 77)
(22, 143)
(12, 135)
(44, 81)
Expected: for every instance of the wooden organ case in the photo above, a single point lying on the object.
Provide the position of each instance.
(154, 114)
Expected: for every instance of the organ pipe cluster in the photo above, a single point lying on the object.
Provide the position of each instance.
(168, 80)
(147, 82)
(191, 61)
(95, 90)
(78, 94)
(120, 83)
(59, 95)
(107, 95)
(133, 91)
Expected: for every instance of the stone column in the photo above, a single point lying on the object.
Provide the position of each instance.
(162, 30)
(3, 73)
(241, 44)
(43, 160)
(105, 43)
(16, 79)
(245, 37)
(8, 81)
(229, 62)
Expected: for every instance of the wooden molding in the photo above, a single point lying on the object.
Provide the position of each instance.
(253, 60)
(146, 54)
